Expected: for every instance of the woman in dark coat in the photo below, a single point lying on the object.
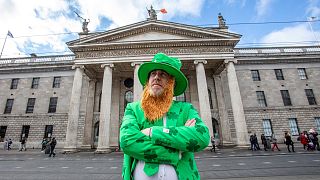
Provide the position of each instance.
(289, 141)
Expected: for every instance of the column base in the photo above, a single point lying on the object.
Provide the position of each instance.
(243, 146)
(86, 147)
(70, 150)
(103, 151)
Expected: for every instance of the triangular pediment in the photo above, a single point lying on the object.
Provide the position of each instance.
(153, 31)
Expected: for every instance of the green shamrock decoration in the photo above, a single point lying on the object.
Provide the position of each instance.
(150, 155)
(192, 145)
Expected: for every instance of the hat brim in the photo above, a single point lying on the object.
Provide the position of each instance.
(181, 81)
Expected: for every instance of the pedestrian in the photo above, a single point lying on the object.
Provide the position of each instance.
(255, 141)
(304, 139)
(23, 143)
(274, 142)
(9, 144)
(314, 138)
(288, 141)
(213, 142)
(264, 141)
(159, 135)
(52, 144)
(5, 145)
(44, 144)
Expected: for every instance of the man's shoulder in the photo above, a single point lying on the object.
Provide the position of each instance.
(182, 104)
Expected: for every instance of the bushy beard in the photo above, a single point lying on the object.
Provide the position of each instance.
(155, 107)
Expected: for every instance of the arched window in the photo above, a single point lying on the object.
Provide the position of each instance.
(181, 97)
(128, 98)
(210, 99)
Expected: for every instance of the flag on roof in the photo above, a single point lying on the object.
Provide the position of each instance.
(163, 11)
(9, 34)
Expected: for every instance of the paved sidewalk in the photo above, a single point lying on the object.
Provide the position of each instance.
(219, 152)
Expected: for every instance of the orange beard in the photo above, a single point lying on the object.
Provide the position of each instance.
(155, 107)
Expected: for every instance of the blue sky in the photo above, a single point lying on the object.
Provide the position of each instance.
(43, 27)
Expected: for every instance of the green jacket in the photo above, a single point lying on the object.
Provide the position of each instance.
(173, 144)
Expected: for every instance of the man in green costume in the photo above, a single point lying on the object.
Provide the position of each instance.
(159, 135)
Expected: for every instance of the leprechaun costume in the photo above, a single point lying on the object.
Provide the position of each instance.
(171, 143)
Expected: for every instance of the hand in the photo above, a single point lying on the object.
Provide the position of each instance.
(146, 132)
(190, 123)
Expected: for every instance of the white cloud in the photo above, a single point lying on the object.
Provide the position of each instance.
(292, 36)
(262, 7)
(29, 19)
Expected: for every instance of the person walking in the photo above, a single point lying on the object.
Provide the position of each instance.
(52, 144)
(264, 141)
(213, 142)
(304, 139)
(274, 143)
(159, 135)
(289, 141)
(44, 144)
(23, 143)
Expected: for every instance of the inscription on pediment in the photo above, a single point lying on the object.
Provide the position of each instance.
(140, 52)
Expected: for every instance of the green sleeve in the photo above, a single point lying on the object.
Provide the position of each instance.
(139, 146)
(186, 139)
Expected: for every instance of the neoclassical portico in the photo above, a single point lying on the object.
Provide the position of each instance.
(116, 55)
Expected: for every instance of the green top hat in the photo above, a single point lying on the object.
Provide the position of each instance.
(168, 64)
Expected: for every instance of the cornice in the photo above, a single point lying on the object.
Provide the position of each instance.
(151, 51)
(155, 44)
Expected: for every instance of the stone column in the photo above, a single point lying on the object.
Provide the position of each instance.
(137, 87)
(205, 111)
(223, 114)
(88, 126)
(237, 106)
(74, 111)
(105, 110)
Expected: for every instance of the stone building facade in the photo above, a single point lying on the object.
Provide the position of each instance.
(80, 99)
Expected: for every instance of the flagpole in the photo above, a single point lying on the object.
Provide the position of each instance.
(3, 45)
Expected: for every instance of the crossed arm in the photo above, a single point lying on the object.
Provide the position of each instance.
(159, 144)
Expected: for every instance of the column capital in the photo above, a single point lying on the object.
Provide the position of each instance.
(200, 61)
(226, 61)
(78, 66)
(111, 65)
(133, 64)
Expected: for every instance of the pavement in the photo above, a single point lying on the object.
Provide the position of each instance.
(219, 151)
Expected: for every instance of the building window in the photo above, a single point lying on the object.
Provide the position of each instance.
(56, 82)
(3, 130)
(310, 96)
(181, 97)
(48, 131)
(293, 126)
(317, 119)
(25, 132)
(8, 107)
(267, 127)
(302, 73)
(14, 83)
(286, 97)
(279, 74)
(128, 98)
(30, 105)
(255, 75)
(261, 99)
(35, 83)
(53, 105)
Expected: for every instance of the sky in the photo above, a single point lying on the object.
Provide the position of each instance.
(43, 27)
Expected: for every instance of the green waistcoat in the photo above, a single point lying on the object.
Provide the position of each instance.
(173, 144)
